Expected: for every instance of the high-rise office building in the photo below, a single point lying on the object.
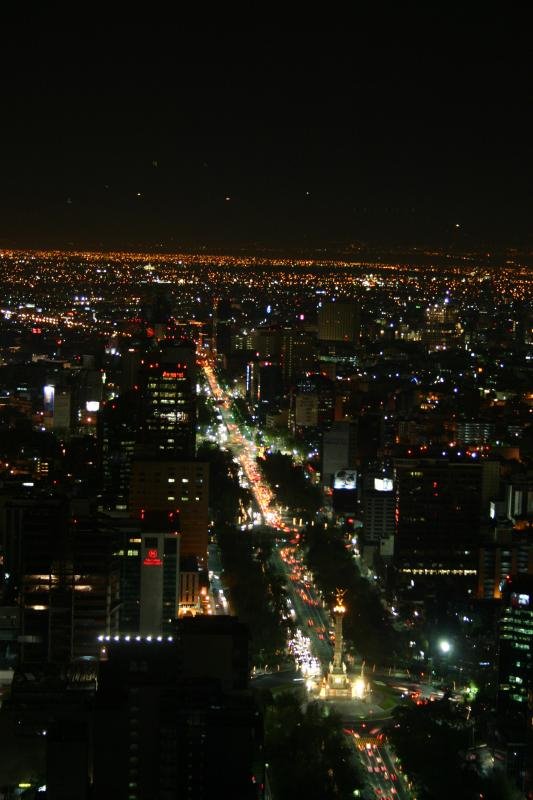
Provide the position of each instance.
(57, 408)
(95, 588)
(519, 497)
(304, 411)
(126, 534)
(471, 432)
(168, 402)
(130, 368)
(65, 578)
(264, 382)
(338, 450)
(339, 321)
(442, 329)
(270, 384)
(175, 485)
(441, 505)
(36, 546)
(312, 401)
(515, 679)
(117, 432)
(160, 574)
(267, 342)
(175, 718)
(507, 551)
(298, 354)
(379, 512)
(224, 335)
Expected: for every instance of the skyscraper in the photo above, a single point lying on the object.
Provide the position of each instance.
(441, 504)
(118, 431)
(515, 680)
(168, 403)
(175, 718)
(298, 354)
(338, 450)
(339, 321)
(159, 573)
(516, 645)
(379, 512)
(182, 486)
(66, 578)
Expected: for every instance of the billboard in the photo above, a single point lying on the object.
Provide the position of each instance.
(345, 479)
(49, 393)
(520, 599)
(383, 484)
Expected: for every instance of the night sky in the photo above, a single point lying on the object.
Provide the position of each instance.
(301, 141)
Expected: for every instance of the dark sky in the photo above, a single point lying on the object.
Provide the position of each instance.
(132, 140)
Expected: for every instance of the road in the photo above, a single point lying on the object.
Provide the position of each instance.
(385, 779)
(285, 678)
(217, 597)
(245, 453)
(311, 646)
(306, 601)
(310, 652)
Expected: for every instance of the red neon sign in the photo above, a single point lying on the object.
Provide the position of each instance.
(152, 559)
(173, 374)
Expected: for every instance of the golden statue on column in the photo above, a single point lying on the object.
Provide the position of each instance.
(337, 684)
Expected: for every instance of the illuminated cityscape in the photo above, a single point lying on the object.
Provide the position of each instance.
(266, 430)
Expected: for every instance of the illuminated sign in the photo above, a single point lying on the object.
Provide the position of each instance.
(519, 599)
(49, 393)
(152, 559)
(345, 479)
(383, 484)
(92, 405)
(173, 374)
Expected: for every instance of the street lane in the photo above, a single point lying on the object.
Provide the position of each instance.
(310, 652)
(245, 452)
(218, 601)
(385, 780)
(310, 647)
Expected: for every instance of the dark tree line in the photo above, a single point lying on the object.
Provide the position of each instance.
(225, 494)
(289, 484)
(256, 594)
(366, 623)
(432, 742)
(307, 752)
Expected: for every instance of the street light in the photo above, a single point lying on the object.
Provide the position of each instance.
(444, 648)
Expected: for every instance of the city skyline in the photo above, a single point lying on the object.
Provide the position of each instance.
(266, 412)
